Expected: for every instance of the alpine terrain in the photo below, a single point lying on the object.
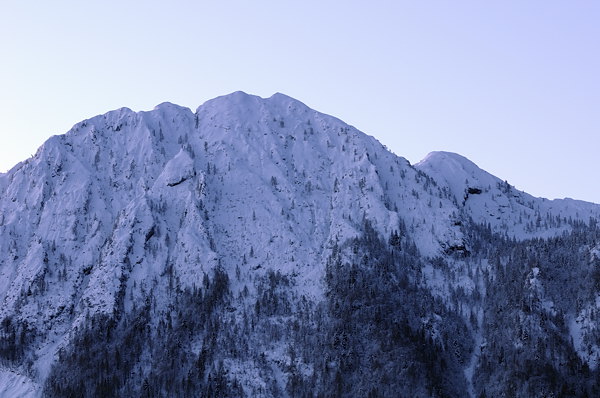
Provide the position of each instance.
(259, 248)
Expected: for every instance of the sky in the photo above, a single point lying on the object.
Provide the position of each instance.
(512, 85)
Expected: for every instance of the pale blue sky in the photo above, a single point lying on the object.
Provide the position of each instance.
(512, 85)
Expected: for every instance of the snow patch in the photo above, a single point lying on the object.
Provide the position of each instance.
(14, 385)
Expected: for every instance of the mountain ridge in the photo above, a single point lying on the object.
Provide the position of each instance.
(273, 203)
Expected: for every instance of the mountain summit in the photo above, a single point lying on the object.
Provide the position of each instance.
(257, 247)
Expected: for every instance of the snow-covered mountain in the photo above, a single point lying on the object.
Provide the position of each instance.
(489, 200)
(258, 247)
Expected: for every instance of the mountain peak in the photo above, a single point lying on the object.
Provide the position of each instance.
(455, 172)
(443, 159)
(169, 106)
(262, 221)
(227, 100)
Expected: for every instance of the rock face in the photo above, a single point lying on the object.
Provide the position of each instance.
(257, 247)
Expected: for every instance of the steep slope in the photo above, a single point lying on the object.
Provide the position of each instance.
(254, 247)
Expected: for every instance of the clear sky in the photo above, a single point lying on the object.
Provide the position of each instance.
(512, 85)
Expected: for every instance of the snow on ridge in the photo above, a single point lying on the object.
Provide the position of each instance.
(237, 98)
(489, 200)
(171, 107)
(455, 172)
(15, 385)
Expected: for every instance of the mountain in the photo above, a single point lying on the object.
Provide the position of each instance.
(257, 247)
